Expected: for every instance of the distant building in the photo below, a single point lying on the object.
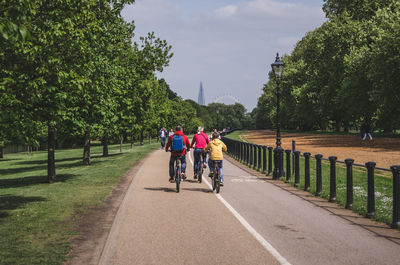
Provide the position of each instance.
(201, 100)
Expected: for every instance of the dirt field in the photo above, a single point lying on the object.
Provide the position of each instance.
(385, 152)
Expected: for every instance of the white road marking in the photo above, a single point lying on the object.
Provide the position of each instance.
(249, 228)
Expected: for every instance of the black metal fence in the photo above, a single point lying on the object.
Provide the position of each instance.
(260, 158)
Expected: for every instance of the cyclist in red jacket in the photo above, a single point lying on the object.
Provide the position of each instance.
(199, 142)
(177, 142)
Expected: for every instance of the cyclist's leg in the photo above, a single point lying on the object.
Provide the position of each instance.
(183, 164)
(211, 167)
(220, 171)
(210, 164)
(204, 156)
(171, 167)
(196, 159)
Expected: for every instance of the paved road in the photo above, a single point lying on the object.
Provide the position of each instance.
(254, 221)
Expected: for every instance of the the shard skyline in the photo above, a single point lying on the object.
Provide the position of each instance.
(200, 99)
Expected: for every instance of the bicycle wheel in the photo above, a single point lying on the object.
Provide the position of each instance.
(200, 173)
(218, 181)
(213, 180)
(177, 178)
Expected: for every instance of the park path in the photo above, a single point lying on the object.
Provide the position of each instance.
(253, 221)
(156, 225)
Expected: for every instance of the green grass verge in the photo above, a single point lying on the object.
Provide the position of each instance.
(36, 218)
(237, 135)
(383, 185)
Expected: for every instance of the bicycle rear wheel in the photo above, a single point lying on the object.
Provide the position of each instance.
(200, 172)
(177, 178)
(218, 182)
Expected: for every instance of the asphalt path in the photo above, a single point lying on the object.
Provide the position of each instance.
(252, 221)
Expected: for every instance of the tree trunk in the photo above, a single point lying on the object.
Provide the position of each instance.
(132, 140)
(141, 138)
(1, 152)
(121, 140)
(149, 137)
(51, 142)
(105, 144)
(86, 149)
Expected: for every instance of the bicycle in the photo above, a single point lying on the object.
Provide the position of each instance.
(200, 171)
(216, 177)
(178, 173)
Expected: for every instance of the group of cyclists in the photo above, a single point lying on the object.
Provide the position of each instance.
(178, 144)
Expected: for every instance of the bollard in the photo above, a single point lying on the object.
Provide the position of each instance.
(251, 155)
(288, 154)
(296, 168)
(269, 160)
(264, 159)
(255, 156)
(281, 171)
(259, 158)
(318, 192)
(276, 165)
(247, 153)
(307, 171)
(293, 150)
(396, 196)
(371, 189)
(349, 184)
(332, 194)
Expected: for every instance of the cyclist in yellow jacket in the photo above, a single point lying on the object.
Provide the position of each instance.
(216, 146)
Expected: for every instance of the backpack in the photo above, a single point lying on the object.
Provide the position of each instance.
(177, 143)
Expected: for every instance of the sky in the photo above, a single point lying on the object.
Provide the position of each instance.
(227, 45)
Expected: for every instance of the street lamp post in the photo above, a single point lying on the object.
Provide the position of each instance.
(277, 68)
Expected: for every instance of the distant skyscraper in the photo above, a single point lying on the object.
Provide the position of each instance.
(201, 100)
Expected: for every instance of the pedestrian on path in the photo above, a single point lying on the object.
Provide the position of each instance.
(163, 136)
(177, 142)
(171, 132)
(366, 130)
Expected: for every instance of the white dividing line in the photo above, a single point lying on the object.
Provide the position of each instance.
(249, 228)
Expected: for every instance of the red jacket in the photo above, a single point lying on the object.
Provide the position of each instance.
(185, 142)
(200, 139)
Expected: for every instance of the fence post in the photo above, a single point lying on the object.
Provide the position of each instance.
(269, 160)
(296, 168)
(332, 186)
(264, 159)
(307, 171)
(276, 164)
(255, 156)
(288, 154)
(396, 197)
(318, 192)
(247, 153)
(259, 158)
(371, 189)
(349, 184)
(293, 150)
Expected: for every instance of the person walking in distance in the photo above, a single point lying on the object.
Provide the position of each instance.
(199, 142)
(163, 136)
(171, 132)
(366, 130)
(177, 143)
(216, 146)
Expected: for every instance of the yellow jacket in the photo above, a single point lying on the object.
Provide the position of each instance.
(216, 146)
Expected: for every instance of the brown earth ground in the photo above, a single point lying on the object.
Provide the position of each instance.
(385, 152)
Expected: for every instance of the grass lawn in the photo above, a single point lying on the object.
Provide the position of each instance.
(36, 218)
(383, 185)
